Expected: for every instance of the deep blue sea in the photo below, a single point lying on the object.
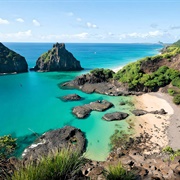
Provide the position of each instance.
(29, 102)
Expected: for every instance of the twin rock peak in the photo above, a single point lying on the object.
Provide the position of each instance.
(56, 59)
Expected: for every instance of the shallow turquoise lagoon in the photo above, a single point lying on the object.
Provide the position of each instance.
(29, 102)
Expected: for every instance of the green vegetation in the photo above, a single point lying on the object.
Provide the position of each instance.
(172, 153)
(176, 99)
(102, 73)
(119, 138)
(7, 54)
(132, 75)
(171, 92)
(177, 43)
(46, 56)
(7, 146)
(59, 165)
(119, 173)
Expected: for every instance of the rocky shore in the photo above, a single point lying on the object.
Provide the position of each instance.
(66, 137)
(90, 83)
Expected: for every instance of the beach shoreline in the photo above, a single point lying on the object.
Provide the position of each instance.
(163, 129)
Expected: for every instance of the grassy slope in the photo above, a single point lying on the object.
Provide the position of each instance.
(138, 80)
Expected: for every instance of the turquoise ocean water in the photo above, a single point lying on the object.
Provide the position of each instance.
(29, 102)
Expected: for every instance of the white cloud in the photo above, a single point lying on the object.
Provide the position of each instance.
(54, 37)
(20, 20)
(90, 25)
(17, 35)
(36, 22)
(149, 34)
(79, 19)
(4, 21)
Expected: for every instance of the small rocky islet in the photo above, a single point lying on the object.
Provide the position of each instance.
(11, 62)
(57, 59)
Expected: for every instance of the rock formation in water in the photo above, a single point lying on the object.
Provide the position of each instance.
(66, 137)
(11, 62)
(57, 59)
(85, 110)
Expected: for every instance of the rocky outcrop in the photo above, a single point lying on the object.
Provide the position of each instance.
(67, 137)
(57, 59)
(85, 110)
(151, 65)
(90, 83)
(71, 97)
(11, 62)
(140, 112)
(115, 116)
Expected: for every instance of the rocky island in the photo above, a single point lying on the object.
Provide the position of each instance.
(11, 62)
(57, 59)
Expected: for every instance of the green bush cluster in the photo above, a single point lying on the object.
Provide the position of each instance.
(7, 146)
(119, 173)
(171, 92)
(59, 165)
(102, 73)
(171, 152)
(176, 99)
(132, 75)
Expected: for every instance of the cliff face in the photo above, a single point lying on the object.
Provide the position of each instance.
(11, 62)
(57, 59)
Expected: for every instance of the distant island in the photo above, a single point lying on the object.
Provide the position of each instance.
(11, 62)
(57, 59)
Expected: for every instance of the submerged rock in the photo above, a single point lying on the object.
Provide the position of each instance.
(57, 59)
(115, 116)
(71, 97)
(85, 110)
(82, 111)
(11, 62)
(100, 105)
(139, 112)
(67, 137)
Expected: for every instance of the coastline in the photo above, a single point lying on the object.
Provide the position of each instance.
(163, 129)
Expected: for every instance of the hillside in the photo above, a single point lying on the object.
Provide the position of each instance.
(150, 73)
(11, 62)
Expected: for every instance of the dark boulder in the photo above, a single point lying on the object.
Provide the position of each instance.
(100, 105)
(82, 111)
(71, 97)
(160, 112)
(11, 62)
(139, 112)
(85, 110)
(67, 137)
(115, 116)
(57, 59)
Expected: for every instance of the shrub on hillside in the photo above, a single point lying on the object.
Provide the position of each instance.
(58, 165)
(7, 146)
(176, 99)
(102, 73)
(118, 173)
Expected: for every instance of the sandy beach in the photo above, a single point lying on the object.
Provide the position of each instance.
(163, 129)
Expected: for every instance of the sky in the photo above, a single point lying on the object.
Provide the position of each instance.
(90, 21)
